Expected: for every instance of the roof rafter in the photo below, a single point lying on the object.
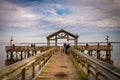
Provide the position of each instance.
(62, 31)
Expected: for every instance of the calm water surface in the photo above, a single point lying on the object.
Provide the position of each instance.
(115, 55)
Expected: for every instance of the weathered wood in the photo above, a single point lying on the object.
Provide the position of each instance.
(55, 40)
(62, 34)
(96, 50)
(23, 74)
(94, 47)
(33, 70)
(107, 71)
(88, 71)
(59, 67)
(20, 48)
(19, 51)
(97, 73)
(76, 41)
(20, 66)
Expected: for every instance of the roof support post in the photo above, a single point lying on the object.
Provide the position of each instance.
(62, 34)
(67, 37)
(76, 41)
(55, 40)
(48, 42)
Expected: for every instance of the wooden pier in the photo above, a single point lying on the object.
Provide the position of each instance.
(93, 68)
(17, 53)
(26, 69)
(53, 64)
(59, 67)
(102, 52)
(56, 65)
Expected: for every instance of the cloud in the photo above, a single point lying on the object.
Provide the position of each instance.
(12, 15)
(41, 18)
(90, 15)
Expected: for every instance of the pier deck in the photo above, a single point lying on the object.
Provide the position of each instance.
(60, 67)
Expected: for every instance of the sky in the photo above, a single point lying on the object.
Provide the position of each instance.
(32, 21)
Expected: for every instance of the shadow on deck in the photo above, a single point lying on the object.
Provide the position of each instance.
(59, 67)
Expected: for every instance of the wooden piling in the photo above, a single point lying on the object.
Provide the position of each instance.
(11, 55)
(98, 54)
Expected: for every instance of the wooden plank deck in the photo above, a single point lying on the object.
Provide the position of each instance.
(60, 67)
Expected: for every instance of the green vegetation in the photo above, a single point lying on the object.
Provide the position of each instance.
(42, 49)
(82, 74)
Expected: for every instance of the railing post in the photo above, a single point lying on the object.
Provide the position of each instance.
(97, 74)
(33, 68)
(39, 64)
(23, 74)
(88, 71)
(82, 62)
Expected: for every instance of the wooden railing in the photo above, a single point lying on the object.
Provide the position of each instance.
(94, 69)
(94, 47)
(26, 69)
(26, 48)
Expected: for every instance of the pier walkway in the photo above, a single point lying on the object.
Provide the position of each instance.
(59, 67)
(53, 64)
(84, 62)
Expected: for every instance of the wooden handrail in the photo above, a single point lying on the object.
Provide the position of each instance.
(25, 48)
(94, 47)
(19, 69)
(101, 69)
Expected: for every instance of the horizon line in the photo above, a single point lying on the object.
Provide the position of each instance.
(70, 42)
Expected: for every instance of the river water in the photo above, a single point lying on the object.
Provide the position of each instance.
(115, 55)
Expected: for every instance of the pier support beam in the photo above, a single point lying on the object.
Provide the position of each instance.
(28, 54)
(98, 54)
(11, 54)
(108, 56)
(21, 55)
(16, 55)
(90, 52)
(7, 55)
(24, 54)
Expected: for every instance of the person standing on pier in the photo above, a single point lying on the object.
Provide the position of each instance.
(64, 47)
(67, 47)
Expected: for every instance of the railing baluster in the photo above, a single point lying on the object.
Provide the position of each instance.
(39, 64)
(95, 67)
(9, 72)
(24, 74)
(97, 74)
(33, 70)
(88, 71)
